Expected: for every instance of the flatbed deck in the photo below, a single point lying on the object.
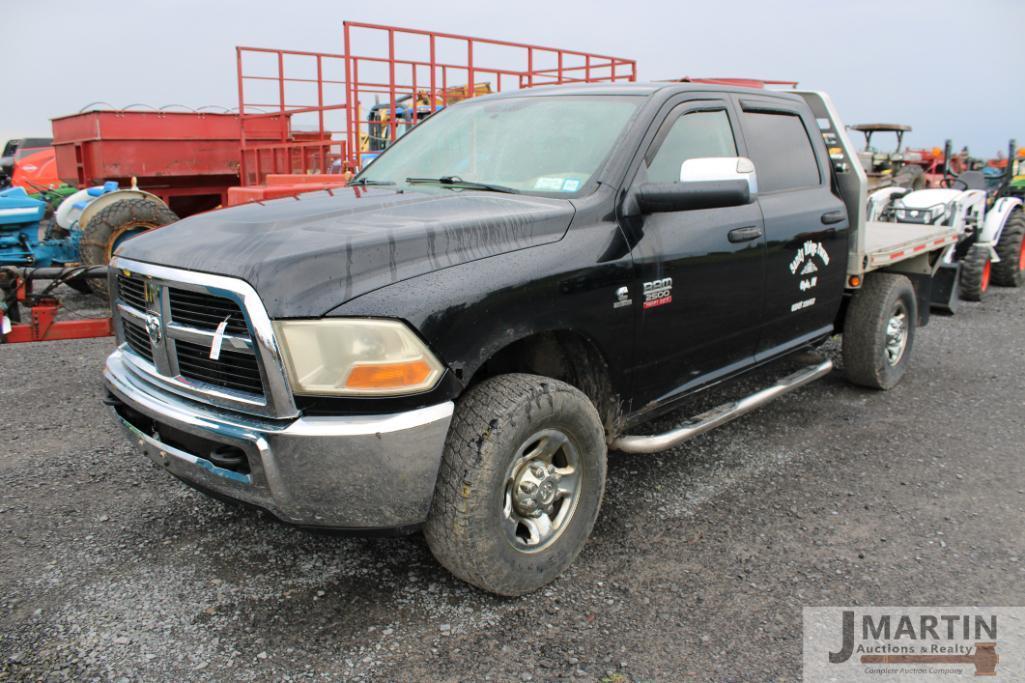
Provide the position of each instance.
(888, 243)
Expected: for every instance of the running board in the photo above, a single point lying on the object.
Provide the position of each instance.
(716, 417)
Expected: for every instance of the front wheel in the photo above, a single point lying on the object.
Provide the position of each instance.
(976, 270)
(879, 331)
(1010, 271)
(521, 482)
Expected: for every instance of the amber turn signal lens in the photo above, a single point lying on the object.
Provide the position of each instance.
(389, 375)
(855, 281)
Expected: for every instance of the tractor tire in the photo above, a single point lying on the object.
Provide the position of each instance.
(521, 483)
(103, 231)
(879, 331)
(1010, 271)
(976, 270)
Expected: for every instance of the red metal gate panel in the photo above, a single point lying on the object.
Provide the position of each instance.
(388, 79)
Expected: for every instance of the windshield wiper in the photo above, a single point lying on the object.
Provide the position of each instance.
(457, 182)
(365, 181)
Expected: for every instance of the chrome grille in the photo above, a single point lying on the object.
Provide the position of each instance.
(206, 311)
(232, 370)
(174, 329)
(138, 340)
(133, 292)
(173, 314)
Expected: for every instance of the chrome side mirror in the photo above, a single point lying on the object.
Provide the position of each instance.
(719, 169)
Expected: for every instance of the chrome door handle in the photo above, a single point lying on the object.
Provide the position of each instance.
(752, 232)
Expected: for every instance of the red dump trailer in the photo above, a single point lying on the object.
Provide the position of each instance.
(188, 159)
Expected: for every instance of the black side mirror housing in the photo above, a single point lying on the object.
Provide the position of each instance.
(687, 196)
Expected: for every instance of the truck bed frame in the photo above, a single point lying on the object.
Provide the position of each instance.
(874, 245)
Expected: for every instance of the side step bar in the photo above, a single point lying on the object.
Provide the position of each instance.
(719, 416)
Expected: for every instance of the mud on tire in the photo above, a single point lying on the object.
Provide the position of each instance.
(472, 528)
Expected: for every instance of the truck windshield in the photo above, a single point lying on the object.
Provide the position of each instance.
(536, 145)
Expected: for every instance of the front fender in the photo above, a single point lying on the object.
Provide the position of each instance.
(993, 225)
(469, 312)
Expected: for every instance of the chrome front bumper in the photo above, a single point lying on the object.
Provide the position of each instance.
(353, 472)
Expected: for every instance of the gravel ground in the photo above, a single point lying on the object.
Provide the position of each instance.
(698, 569)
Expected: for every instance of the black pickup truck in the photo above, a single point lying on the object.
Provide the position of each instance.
(455, 341)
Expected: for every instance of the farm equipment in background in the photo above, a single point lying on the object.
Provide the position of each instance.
(179, 163)
(988, 216)
(71, 245)
(1017, 184)
(410, 110)
(897, 167)
(29, 163)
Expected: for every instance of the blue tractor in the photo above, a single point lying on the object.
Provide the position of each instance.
(67, 242)
(21, 224)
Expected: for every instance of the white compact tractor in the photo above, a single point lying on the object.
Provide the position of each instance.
(991, 224)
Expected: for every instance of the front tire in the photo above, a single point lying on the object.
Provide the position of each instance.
(976, 270)
(521, 483)
(1010, 271)
(879, 331)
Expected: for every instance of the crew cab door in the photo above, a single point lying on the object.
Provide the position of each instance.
(698, 291)
(806, 225)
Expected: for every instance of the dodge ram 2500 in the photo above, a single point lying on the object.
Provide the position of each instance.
(455, 341)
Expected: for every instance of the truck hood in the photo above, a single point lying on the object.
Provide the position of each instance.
(307, 255)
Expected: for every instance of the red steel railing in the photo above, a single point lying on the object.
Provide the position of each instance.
(415, 72)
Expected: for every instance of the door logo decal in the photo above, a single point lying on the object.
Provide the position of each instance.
(658, 292)
(622, 298)
(806, 252)
(804, 267)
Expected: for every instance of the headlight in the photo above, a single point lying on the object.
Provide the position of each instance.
(355, 357)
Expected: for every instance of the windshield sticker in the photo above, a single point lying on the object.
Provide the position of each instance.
(571, 185)
(548, 184)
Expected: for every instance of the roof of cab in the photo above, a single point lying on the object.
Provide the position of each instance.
(642, 89)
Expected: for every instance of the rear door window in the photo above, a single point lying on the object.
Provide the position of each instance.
(779, 146)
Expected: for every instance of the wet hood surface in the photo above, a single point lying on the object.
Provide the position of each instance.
(306, 256)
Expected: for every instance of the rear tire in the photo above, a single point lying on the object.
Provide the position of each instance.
(486, 523)
(879, 331)
(1010, 270)
(106, 228)
(976, 270)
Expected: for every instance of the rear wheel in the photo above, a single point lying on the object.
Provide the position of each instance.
(115, 224)
(520, 485)
(976, 270)
(1010, 270)
(879, 331)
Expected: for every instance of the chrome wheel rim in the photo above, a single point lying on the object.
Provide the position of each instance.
(897, 334)
(542, 489)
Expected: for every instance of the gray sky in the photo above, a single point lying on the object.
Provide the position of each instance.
(949, 68)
